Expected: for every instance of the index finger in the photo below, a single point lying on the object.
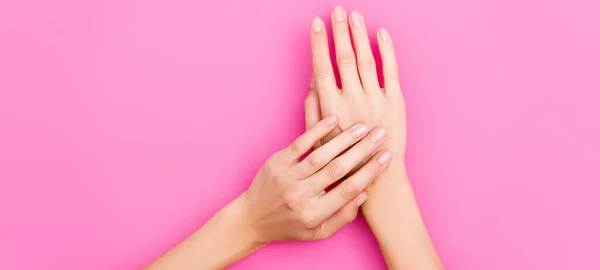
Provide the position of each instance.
(322, 68)
(346, 191)
(305, 142)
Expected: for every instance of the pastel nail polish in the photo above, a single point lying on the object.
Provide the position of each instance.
(378, 134)
(339, 14)
(361, 199)
(330, 121)
(384, 158)
(384, 35)
(317, 24)
(355, 18)
(359, 130)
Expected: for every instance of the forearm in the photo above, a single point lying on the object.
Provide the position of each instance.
(394, 217)
(222, 241)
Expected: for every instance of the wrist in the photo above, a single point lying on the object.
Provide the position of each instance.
(220, 242)
(394, 177)
(241, 226)
(391, 188)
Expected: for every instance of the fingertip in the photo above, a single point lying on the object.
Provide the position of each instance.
(317, 25)
(359, 130)
(338, 14)
(330, 121)
(362, 198)
(384, 158)
(355, 18)
(383, 35)
(378, 135)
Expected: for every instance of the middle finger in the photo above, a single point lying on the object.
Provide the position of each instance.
(346, 61)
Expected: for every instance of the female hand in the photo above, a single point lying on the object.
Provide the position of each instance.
(360, 98)
(392, 211)
(287, 201)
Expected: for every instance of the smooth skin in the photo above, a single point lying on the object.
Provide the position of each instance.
(287, 200)
(392, 211)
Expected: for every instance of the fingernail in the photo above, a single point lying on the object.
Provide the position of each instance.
(359, 130)
(317, 24)
(339, 14)
(355, 18)
(384, 158)
(378, 134)
(361, 199)
(330, 121)
(384, 35)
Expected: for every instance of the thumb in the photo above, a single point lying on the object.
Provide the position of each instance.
(312, 111)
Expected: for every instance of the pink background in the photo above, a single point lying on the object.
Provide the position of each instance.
(126, 124)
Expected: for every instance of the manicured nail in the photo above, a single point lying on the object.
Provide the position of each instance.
(317, 24)
(361, 199)
(355, 18)
(378, 134)
(339, 14)
(330, 121)
(359, 130)
(384, 35)
(384, 158)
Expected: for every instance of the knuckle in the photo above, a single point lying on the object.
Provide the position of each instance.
(307, 220)
(321, 72)
(313, 163)
(335, 170)
(392, 72)
(364, 148)
(346, 60)
(277, 179)
(269, 168)
(367, 66)
(295, 146)
(290, 199)
(348, 191)
(316, 146)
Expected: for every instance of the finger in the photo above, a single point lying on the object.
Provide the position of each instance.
(340, 166)
(346, 61)
(303, 143)
(322, 69)
(324, 154)
(346, 191)
(342, 217)
(362, 46)
(312, 112)
(391, 80)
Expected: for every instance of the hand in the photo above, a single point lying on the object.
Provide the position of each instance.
(360, 99)
(287, 201)
(392, 211)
